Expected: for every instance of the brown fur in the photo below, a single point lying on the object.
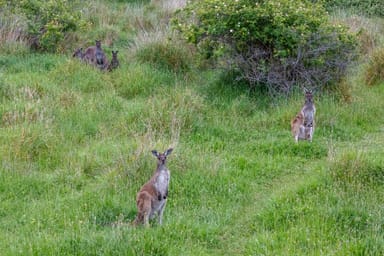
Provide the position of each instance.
(297, 126)
(89, 55)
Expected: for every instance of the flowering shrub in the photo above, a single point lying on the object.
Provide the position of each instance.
(275, 43)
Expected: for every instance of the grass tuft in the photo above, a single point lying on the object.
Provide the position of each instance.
(359, 169)
(374, 73)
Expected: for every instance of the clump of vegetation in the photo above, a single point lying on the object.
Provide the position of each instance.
(374, 73)
(369, 8)
(274, 44)
(358, 169)
(166, 55)
(47, 23)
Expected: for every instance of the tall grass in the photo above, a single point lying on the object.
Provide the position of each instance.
(368, 30)
(12, 32)
(374, 73)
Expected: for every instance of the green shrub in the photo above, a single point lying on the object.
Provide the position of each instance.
(374, 73)
(275, 44)
(48, 22)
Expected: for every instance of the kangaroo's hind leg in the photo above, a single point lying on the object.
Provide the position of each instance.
(160, 212)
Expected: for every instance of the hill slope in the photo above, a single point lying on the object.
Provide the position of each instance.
(76, 148)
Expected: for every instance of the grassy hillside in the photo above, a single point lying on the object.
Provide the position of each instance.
(75, 149)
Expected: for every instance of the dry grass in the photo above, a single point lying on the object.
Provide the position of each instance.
(374, 74)
(370, 31)
(12, 28)
(170, 5)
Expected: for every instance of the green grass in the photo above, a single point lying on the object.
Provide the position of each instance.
(75, 149)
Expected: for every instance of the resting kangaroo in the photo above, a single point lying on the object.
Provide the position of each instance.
(78, 53)
(152, 197)
(303, 125)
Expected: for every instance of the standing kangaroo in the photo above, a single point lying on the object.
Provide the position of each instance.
(94, 55)
(114, 61)
(101, 59)
(303, 125)
(152, 197)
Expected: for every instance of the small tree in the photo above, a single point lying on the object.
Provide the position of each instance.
(278, 44)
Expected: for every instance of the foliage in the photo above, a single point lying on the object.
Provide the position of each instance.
(48, 22)
(363, 7)
(278, 44)
(166, 55)
(374, 73)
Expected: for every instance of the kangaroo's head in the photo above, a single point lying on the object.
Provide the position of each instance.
(78, 53)
(114, 55)
(98, 43)
(162, 157)
(308, 97)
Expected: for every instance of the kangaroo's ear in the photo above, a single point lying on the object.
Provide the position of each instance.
(155, 153)
(307, 91)
(168, 151)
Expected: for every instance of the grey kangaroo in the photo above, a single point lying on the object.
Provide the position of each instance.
(152, 197)
(78, 53)
(303, 125)
(94, 55)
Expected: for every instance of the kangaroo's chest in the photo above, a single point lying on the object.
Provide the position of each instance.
(162, 182)
(309, 114)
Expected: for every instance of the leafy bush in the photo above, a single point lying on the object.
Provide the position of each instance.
(374, 73)
(48, 22)
(369, 8)
(277, 44)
